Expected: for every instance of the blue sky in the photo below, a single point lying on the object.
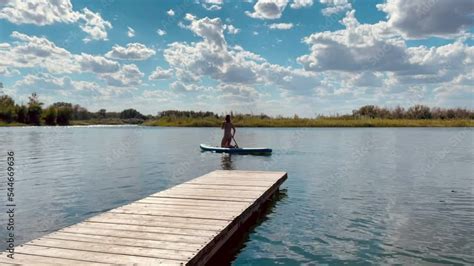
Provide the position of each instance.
(278, 57)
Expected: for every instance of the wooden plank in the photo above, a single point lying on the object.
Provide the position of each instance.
(27, 259)
(112, 249)
(180, 208)
(124, 241)
(144, 228)
(186, 224)
(138, 235)
(226, 188)
(172, 222)
(180, 201)
(93, 256)
(188, 206)
(222, 200)
(213, 215)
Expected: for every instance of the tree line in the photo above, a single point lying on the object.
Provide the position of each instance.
(59, 113)
(414, 112)
(62, 113)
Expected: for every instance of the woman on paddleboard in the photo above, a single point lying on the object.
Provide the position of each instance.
(227, 126)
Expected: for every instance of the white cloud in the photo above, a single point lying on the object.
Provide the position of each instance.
(170, 12)
(94, 25)
(133, 51)
(212, 5)
(127, 76)
(97, 64)
(366, 79)
(31, 51)
(38, 52)
(160, 32)
(375, 52)
(231, 29)
(297, 4)
(213, 58)
(335, 6)
(39, 12)
(211, 30)
(422, 19)
(161, 73)
(281, 26)
(238, 93)
(268, 9)
(358, 47)
(130, 32)
(53, 88)
(189, 17)
(8, 72)
(44, 12)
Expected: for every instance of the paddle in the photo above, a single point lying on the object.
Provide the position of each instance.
(236, 145)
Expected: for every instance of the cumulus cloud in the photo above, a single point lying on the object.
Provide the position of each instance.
(94, 25)
(301, 4)
(97, 64)
(213, 58)
(238, 93)
(422, 19)
(358, 47)
(376, 48)
(211, 30)
(130, 32)
(366, 79)
(127, 76)
(52, 88)
(335, 6)
(31, 51)
(268, 9)
(281, 26)
(39, 12)
(38, 52)
(212, 5)
(231, 29)
(44, 12)
(170, 12)
(133, 51)
(8, 72)
(161, 73)
(160, 32)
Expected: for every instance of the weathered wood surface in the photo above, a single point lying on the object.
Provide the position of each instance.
(186, 224)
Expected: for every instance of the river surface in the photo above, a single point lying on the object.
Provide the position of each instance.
(357, 195)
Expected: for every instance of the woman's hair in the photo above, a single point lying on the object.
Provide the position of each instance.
(227, 118)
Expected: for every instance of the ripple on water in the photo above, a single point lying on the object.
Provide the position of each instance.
(353, 196)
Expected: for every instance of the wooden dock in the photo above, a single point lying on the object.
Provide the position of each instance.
(186, 224)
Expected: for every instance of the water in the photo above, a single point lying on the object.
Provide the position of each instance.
(356, 196)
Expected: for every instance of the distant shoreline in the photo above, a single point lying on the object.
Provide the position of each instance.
(276, 122)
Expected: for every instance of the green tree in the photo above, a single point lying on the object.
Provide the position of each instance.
(102, 113)
(131, 113)
(64, 115)
(7, 108)
(21, 114)
(49, 116)
(34, 109)
(419, 112)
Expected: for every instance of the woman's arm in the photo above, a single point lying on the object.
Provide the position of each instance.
(233, 129)
(222, 126)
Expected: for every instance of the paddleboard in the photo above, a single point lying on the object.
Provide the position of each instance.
(266, 151)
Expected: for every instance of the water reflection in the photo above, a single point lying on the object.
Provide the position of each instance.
(226, 162)
(238, 242)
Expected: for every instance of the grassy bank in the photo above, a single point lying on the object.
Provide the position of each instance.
(307, 122)
(12, 124)
(90, 122)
